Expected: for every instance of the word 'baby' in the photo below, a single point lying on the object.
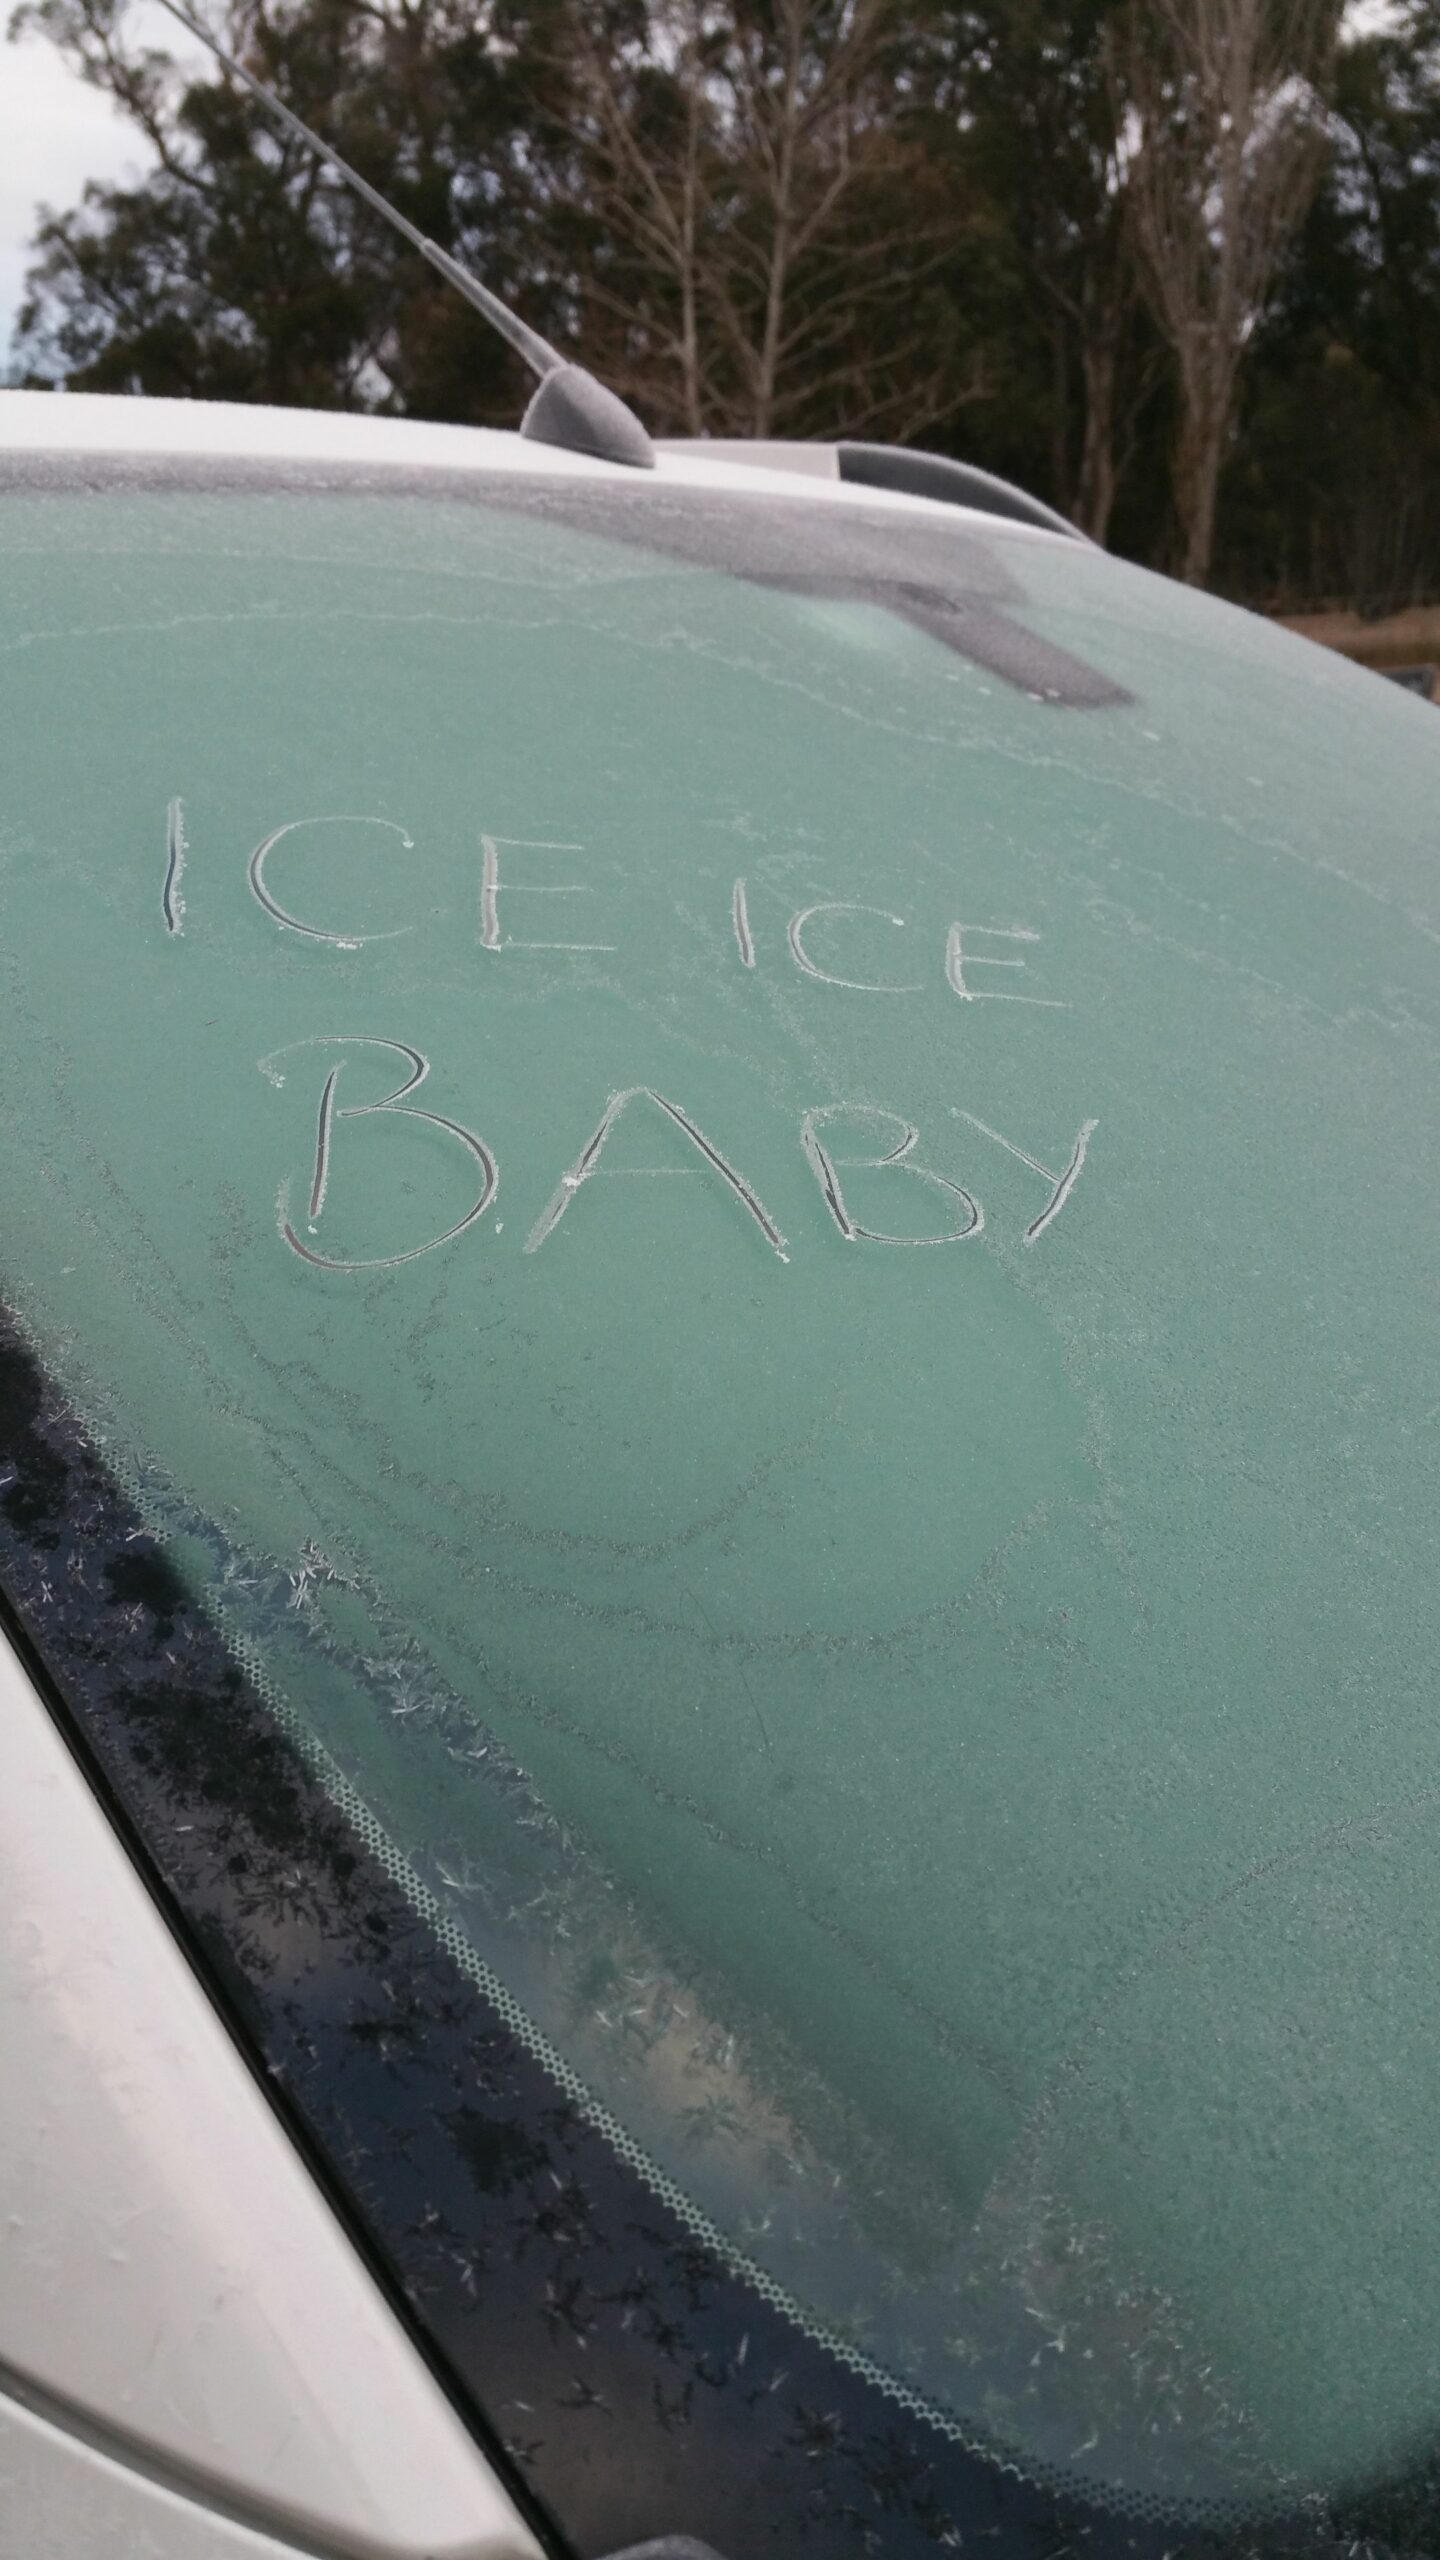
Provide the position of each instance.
(890, 1151)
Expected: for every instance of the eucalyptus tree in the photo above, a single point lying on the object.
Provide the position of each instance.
(1223, 109)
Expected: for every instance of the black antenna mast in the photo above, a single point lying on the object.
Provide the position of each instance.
(570, 409)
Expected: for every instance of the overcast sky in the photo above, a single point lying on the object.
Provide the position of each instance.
(54, 134)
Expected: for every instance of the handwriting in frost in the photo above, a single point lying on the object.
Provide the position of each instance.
(587, 1163)
(958, 957)
(740, 924)
(172, 905)
(491, 938)
(1062, 1183)
(959, 960)
(827, 1168)
(894, 1156)
(330, 1111)
(265, 897)
(809, 968)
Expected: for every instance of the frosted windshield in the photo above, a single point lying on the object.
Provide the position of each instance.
(769, 1244)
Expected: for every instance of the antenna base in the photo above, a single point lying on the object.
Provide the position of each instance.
(574, 411)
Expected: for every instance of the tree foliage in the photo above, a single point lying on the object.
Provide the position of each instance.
(1175, 264)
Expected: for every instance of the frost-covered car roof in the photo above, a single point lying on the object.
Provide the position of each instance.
(91, 422)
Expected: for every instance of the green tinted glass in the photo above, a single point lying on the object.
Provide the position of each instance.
(783, 1284)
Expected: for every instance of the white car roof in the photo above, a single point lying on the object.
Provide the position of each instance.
(50, 422)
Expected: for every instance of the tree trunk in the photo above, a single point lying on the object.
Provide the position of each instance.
(1199, 449)
(1060, 414)
(1225, 101)
(1095, 487)
(689, 314)
(780, 237)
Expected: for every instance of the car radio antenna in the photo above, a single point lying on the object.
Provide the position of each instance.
(570, 408)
